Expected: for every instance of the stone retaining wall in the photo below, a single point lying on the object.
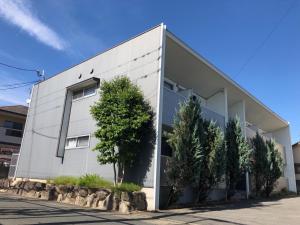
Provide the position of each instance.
(98, 198)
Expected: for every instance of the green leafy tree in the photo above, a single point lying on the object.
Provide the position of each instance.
(123, 118)
(183, 167)
(238, 154)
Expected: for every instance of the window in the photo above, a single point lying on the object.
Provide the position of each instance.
(85, 92)
(13, 125)
(13, 129)
(89, 91)
(77, 142)
(71, 143)
(83, 141)
(297, 168)
(77, 94)
(13, 133)
(168, 85)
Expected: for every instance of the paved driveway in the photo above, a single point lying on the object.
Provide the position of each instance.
(17, 210)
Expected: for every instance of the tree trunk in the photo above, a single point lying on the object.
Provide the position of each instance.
(170, 197)
(115, 174)
(121, 172)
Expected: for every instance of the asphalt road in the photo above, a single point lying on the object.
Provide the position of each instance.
(17, 210)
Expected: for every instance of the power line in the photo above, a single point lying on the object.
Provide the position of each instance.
(40, 73)
(17, 86)
(262, 44)
(19, 68)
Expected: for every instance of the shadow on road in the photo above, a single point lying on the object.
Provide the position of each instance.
(51, 213)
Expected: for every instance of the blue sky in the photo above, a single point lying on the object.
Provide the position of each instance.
(56, 34)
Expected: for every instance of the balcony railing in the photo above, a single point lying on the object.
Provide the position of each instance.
(171, 105)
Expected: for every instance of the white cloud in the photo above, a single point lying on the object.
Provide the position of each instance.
(20, 14)
(10, 100)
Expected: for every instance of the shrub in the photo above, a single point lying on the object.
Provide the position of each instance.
(49, 181)
(127, 187)
(93, 181)
(65, 180)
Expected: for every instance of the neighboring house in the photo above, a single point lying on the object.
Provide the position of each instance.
(12, 121)
(296, 152)
(59, 132)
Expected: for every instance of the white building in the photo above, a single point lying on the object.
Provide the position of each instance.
(58, 136)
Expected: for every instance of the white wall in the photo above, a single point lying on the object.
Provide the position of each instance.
(218, 103)
(283, 137)
(238, 110)
(140, 60)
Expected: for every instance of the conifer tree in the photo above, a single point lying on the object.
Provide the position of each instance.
(185, 140)
(198, 152)
(216, 163)
(275, 165)
(260, 162)
(238, 154)
(267, 165)
(213, 163)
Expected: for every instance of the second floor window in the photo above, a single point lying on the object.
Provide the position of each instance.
(85, 92)
(13, 133)
(13, 125)
(13, 129)
(77, 142)
(297, 168)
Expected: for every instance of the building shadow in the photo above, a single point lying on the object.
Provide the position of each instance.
(44, 212)
(141, 169)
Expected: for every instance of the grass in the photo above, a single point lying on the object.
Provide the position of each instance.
(65, 180)
(127, 187)
(94, 181)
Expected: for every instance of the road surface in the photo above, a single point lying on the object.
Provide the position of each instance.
(18, 210)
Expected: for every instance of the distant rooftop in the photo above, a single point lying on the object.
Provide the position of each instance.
(17, 109)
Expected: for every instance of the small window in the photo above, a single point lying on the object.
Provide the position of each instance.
(90, 91)
(71, 143)
(77, 94)
(77, 142)
(13, 125)
(168, 85)
(13, 133)
(297, 168)
(83, 141)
